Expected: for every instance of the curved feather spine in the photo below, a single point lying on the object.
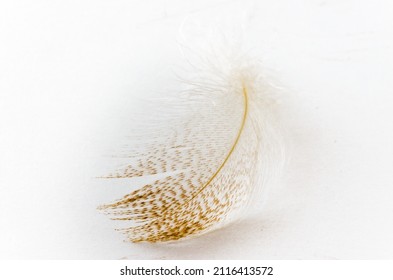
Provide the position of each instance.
(234, 144)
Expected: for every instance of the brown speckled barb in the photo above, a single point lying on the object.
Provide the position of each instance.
(208, 164)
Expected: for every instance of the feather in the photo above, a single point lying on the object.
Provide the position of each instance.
(212, 162)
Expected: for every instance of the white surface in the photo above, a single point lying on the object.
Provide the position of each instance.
(70, 76)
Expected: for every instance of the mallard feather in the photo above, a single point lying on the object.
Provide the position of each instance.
(212, 160)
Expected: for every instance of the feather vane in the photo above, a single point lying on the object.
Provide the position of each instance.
(210, 162)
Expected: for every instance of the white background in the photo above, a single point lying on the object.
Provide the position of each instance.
(71, 73)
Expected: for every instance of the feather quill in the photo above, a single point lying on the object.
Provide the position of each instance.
(212, 162)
